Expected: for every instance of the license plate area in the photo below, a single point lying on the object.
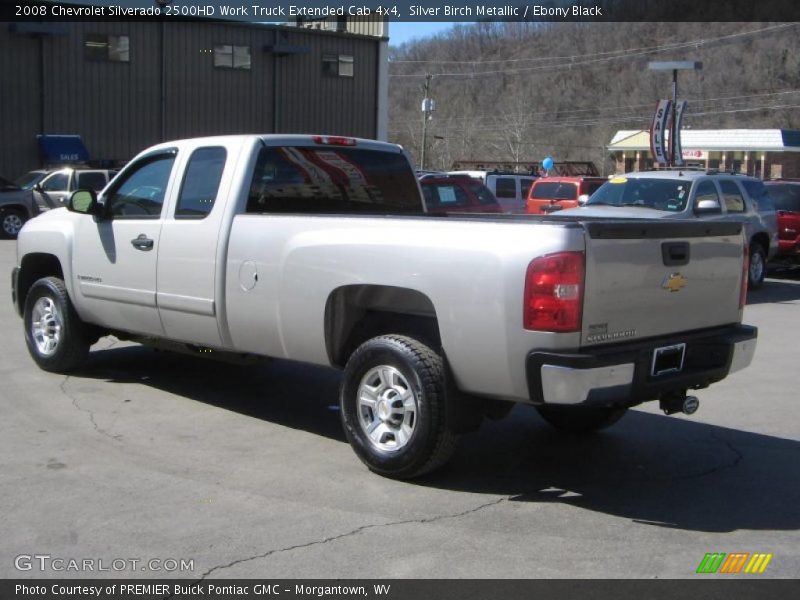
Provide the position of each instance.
(668, 359)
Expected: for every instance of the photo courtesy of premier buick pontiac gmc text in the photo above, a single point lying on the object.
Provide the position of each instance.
(319, 249)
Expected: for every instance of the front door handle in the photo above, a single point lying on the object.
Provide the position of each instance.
(142, 242)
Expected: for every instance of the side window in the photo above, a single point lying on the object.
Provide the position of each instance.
(201, 183)
(733, 196)
(506, 187)
(93, 180)
(762, 201)
(706, 190)
(140, 194)
(57, 182)
(525, 186)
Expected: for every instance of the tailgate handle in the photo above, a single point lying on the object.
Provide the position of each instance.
(675, 254)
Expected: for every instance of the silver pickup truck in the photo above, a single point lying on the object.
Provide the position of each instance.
(318, 249)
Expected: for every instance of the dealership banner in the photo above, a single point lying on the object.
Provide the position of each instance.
(399, 589)
(281, 11)
(677, 150)
(658, 132)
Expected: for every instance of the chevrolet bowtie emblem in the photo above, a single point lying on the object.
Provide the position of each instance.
(674, 282)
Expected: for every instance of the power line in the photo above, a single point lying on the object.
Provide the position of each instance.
(568, 113)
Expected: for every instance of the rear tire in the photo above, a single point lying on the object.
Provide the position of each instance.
(580, 419)
(57, 339)
(11, 222)
(393, 407)
(758, 267)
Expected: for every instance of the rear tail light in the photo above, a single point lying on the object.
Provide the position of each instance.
(554, 293)
(745, 273)
(334, 140)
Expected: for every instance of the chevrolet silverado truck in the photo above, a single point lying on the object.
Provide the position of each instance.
(319, 249)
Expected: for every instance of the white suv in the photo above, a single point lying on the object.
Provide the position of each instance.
(689, 194)
(510, 189)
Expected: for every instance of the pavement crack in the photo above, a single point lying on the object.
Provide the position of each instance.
(97, 428)
(350, 533)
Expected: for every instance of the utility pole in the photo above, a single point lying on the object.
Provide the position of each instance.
(428, 106)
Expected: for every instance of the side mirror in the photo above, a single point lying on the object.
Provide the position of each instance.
(583, 199)
(84, 202)
(707, 207)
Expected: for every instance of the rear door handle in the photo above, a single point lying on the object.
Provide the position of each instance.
(142, 242)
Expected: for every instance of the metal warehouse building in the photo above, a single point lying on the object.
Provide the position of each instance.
(123, 86)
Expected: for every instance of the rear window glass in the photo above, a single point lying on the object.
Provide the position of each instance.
(555, 191)
(661, 194)
(444, 195)
(544, 190)
(785, 196)
(299, 179)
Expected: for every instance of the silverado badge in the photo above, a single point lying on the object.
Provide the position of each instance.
(674, 282)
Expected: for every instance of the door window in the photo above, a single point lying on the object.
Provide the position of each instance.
(140, 194)
(506, 187)
(201, 183)
(733, 196)
(57, 182)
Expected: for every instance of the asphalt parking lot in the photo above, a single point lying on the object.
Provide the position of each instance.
(245, 471)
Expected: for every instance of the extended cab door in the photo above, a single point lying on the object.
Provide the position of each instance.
(188, 255)
(115, 255)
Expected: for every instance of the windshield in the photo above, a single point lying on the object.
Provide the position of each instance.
(30, 179)
(785, 196)
(662, 194)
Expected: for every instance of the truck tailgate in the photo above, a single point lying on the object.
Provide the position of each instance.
(645, 278)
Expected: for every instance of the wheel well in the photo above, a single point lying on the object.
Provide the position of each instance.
(34, 267)
(762, 239)
(15, 207)
(356, 313)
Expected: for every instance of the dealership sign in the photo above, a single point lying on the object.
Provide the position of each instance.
(658, 138)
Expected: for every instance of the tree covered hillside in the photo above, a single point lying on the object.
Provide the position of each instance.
(522, 91)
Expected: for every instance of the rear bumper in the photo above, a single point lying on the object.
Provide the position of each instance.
(620, 375)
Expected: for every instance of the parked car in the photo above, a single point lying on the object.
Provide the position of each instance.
(40, 190)
(16, 207)
(688, 194)
(317, 249)
(58, 184)
(786, 198)
(550, 194)
(510, 189)
(457, 194)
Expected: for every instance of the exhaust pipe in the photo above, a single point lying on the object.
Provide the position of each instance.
(679, 402)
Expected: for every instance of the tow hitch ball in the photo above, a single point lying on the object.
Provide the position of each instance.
(679, 402)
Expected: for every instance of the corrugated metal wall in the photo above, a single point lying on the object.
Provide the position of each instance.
(117, 107)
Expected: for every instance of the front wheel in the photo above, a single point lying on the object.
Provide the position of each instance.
(758, 267)
(11, 222)
(56, 338)
(393, 407)
(580, 419)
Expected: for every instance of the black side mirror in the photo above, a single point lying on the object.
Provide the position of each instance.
(84, 202)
